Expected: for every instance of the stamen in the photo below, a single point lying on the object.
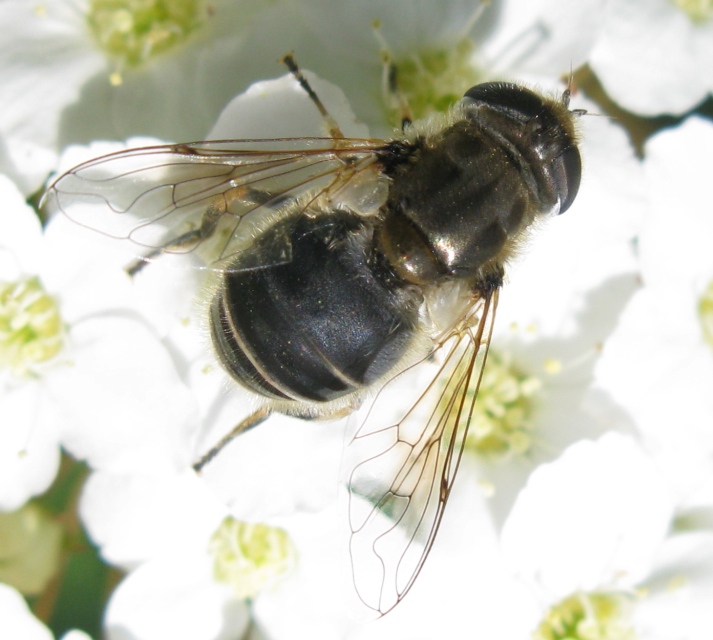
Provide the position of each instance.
(589, 616)
(31, 328)
(134, 31)
(251, 557)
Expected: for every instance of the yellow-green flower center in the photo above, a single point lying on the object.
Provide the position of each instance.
(31, 328)
(589, 616)
(250, 557)
(433, 80)
(705, 313)
(502, 420)
(697, 10)
(134, 31)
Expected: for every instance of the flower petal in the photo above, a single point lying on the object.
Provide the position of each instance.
(592, 519)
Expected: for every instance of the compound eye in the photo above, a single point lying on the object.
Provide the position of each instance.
(507, 97)
(567, 174)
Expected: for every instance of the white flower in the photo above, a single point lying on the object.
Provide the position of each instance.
(658, 365)
(17, 621)
(69, 350)
(73, 70)
(196, 572)
(30, 455)
(590, 536)
(592, 518)
(158, 527)
(652, 55)
(441, 49)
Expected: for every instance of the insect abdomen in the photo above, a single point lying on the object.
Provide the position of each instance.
(320, 325)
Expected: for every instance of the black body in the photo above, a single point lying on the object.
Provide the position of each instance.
(328, 322)
(344, 310)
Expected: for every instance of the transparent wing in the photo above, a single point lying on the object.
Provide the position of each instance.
(177, 198)
(398, 492)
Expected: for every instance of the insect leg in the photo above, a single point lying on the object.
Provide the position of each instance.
(183, 242)
(209, 221)
(329, 121)
(253, 420)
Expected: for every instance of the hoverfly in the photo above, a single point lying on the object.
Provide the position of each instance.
(342, 264)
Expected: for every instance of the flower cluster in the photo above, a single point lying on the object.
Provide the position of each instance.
(583, 509)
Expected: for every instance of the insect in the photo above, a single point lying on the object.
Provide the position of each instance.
(342, 264)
